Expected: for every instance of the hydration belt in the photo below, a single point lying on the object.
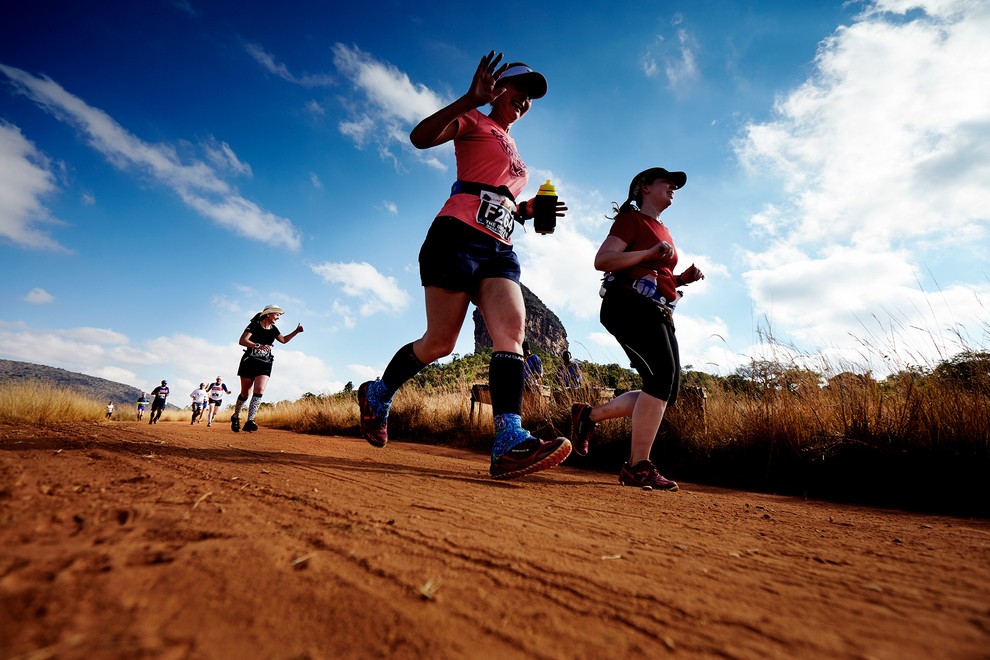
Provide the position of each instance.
(645, 288)
(474, 188)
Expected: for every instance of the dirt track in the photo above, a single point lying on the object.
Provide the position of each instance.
(125, 540)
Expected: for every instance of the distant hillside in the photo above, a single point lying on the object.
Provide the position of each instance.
(90, 387)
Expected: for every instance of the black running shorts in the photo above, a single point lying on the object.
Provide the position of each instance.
(457, 257)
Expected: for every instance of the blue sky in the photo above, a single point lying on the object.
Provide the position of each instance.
(168, 168)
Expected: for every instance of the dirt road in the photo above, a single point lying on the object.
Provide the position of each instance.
(124, 540)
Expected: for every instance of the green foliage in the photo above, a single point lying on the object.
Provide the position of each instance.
(969, 370)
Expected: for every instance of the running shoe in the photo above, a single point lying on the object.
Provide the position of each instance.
(235, 424)
(529, 456)
(250, 426)
(581, 427)
(374, 430)
(646, 476)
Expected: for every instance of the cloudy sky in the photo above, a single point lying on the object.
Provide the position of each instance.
(168, 168)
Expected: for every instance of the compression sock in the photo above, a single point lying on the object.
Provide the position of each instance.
(403, 366)
(253, 406)
(238, 405)
(505, 378)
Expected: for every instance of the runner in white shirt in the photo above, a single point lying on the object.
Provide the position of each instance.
(198, 396)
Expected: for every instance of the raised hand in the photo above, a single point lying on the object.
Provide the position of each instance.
(483, 86)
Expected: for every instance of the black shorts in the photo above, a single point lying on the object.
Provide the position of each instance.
(158, 404)
(214, 402)
(251, 367)
(457, 257)
(647, 338)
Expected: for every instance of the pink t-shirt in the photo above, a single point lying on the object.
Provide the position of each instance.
(641, 232)
(486, 154)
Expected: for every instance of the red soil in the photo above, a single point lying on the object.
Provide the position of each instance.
(124, 540)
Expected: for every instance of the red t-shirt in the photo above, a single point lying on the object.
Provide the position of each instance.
(641, 232)
(485, 154)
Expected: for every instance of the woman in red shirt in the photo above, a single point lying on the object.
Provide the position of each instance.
(640, 292)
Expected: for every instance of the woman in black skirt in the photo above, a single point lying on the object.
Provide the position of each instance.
(256, 363)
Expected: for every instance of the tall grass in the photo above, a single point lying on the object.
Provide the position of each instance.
(34, 402)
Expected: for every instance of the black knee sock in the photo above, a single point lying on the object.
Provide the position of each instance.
(505, 379)
(404, 365)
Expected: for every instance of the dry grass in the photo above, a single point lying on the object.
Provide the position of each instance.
(33, 402)
(780, 428)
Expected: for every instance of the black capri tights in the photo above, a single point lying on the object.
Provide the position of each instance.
(648, 340)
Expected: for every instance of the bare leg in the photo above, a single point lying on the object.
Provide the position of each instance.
(445, 313)
(501, 303)
(646, 419)
(646, 412)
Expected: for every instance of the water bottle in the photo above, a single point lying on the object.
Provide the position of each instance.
(545, 209)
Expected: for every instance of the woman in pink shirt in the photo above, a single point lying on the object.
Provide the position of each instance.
(468, 257)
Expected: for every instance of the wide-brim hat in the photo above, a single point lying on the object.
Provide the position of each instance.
(654, 173)
(272, 309)
(525, 78)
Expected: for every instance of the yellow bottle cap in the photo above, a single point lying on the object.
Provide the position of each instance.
(547, 189)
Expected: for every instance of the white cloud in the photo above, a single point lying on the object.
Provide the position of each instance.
(678, 62)
(267, 61)
(224, 158)
(388, 103)
(197, 184)
(884, 157)
(38, 296)
(378, 293)
(26, 178)
(182, 360)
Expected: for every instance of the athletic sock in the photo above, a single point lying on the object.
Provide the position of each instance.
(509, 432)
(238, 405)
(253, 406)
(379, 398)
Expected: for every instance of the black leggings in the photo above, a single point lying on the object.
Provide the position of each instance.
(648, 340)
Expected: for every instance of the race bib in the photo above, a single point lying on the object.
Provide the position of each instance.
(495, 213)
(261, 354)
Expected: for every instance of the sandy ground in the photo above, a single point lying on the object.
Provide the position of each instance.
(124, 540)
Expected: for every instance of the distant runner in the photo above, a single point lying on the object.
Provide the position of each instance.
(198, 396)
(256, 363)
(159, 395)
(215, 393)
(142, 403)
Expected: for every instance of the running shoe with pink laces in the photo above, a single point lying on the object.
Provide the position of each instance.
(373, 429)
(646, 476)
(529, 456)
(581, 427)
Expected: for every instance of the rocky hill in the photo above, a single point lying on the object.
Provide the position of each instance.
(90, 387)
(544, 330)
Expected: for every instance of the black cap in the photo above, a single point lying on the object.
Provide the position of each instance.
(654, 173)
